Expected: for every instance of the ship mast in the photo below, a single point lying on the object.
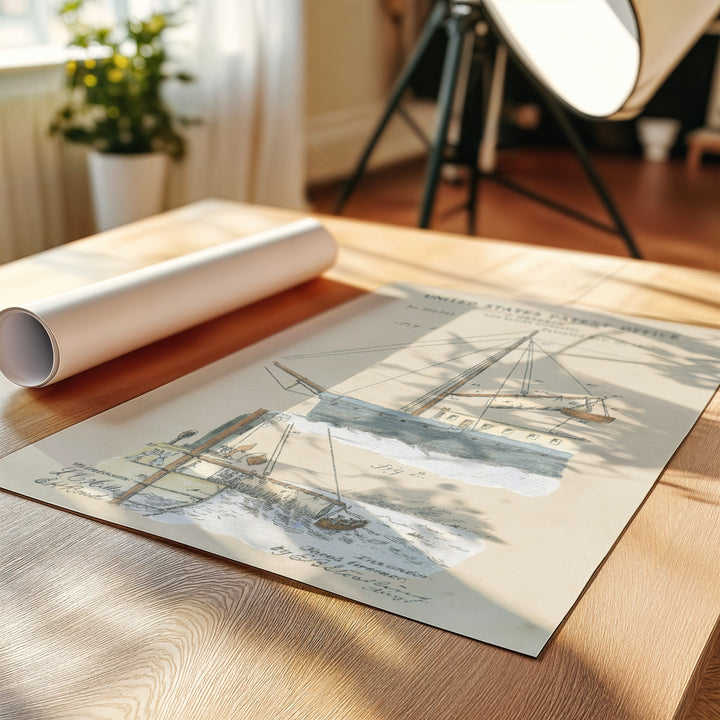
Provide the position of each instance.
(426, 401)
(309, 384)
(187, 454)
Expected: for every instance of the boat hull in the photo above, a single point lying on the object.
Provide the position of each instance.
(439, 437)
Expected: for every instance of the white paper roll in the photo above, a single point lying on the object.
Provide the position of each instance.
(50, 339)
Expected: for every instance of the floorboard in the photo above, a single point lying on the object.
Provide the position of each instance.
(672, 212)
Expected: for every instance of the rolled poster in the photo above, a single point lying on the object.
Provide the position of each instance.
(50, 339)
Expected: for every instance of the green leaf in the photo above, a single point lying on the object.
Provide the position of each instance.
(117, 105)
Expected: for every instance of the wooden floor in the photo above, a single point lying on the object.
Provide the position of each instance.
(673, 214)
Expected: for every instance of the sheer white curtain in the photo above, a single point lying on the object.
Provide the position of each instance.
(31, 202)
(248, 58)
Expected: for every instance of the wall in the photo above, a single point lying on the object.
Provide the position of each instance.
(353, 53)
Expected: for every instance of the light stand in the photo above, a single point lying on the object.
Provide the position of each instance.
(460, 18)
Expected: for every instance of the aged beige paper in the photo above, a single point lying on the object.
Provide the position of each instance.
(462, 461)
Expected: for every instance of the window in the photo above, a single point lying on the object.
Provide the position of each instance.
(32, 34)
(23, 23)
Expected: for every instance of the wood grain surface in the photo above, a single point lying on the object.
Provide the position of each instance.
(99, 622)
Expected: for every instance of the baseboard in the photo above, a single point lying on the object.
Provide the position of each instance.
(335, 140)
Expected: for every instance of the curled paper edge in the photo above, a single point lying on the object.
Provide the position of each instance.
(47, 340)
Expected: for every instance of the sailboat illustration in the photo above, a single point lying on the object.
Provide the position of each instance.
(432, 431)
(428, 423)
(185, 474)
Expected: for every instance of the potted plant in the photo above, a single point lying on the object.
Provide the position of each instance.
(115, 106)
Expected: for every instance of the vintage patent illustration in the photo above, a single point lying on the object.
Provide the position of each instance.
(463, 461)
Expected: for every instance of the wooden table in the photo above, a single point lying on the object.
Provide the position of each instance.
(98, 622)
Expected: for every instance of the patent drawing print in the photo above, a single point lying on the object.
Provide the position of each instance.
(269, 476)
(463, 461)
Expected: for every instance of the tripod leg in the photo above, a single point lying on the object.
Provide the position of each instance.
(463, 85)
(493, 110)
(577, 145)
(456, 28)
(473, 192)
(434, 21)
(483, 128)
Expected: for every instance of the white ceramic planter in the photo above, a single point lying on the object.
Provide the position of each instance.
(126, 187)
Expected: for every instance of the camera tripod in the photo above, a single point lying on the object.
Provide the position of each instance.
(460, 18)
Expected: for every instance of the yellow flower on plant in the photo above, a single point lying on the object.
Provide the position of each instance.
(120, 61)
(115, 75)
(155, 24)
(71, 67)
(90, 80)
(89, 63)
